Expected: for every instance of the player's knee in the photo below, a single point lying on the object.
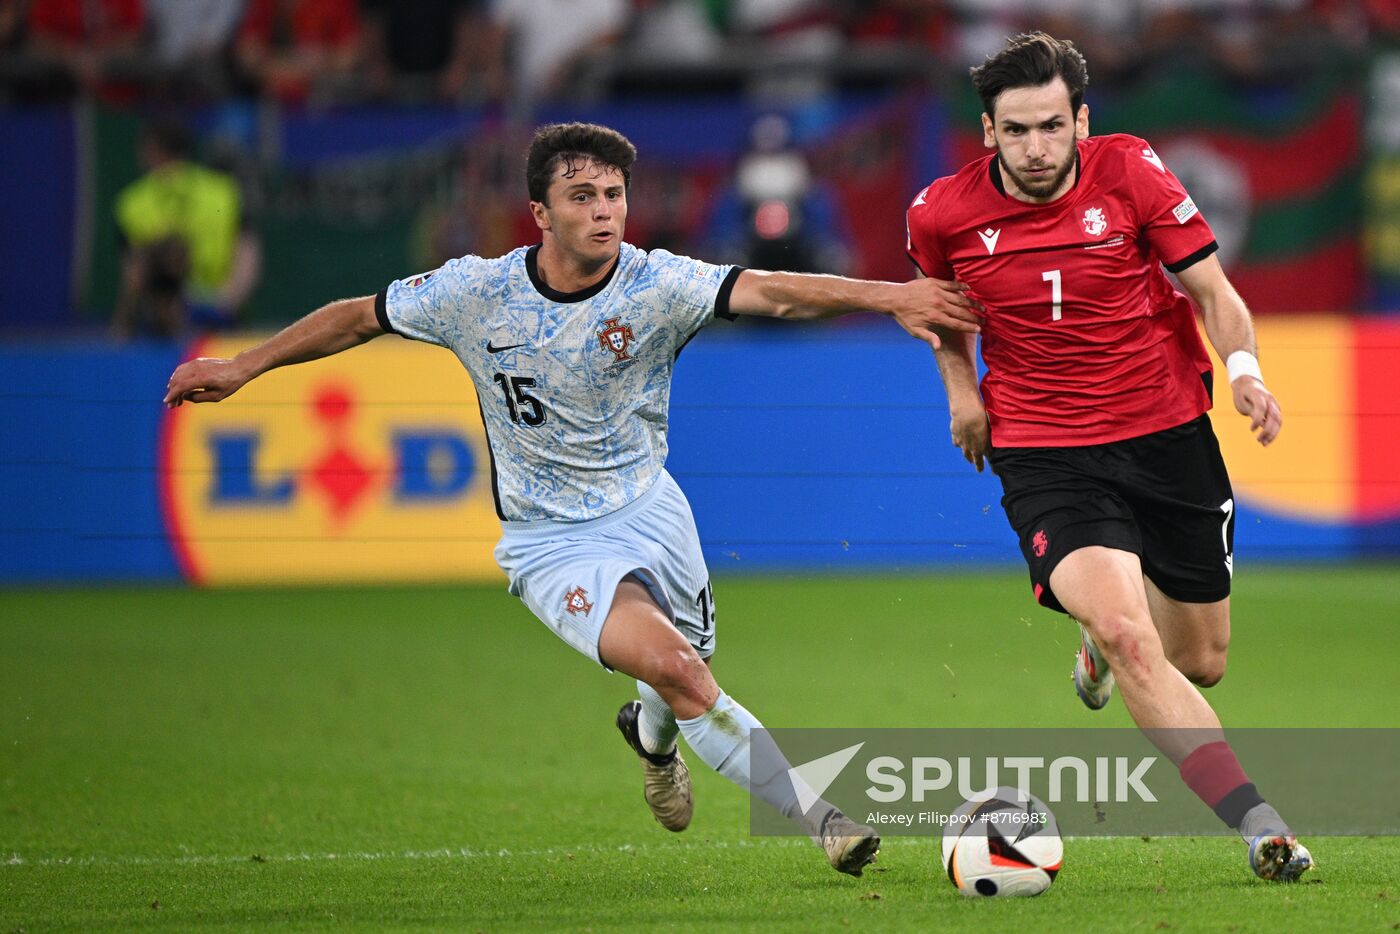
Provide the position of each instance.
(682, 679)
(1129, 644)
(1204, 668)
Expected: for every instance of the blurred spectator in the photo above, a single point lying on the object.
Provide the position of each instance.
(187, 260)
(1385, 18)
(801, 42)
(925, 22)
(193, 45)
(546, 40)
(423, 49)
(301, 50)
(14, 70)
(673, 31)
(87, 46)
(776, 215)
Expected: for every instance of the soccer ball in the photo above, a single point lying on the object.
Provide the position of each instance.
(1002, 842)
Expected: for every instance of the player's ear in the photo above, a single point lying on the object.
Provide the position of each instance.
(541, 214)
(989, 138)
(1081, 123)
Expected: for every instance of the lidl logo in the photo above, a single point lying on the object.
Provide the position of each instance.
(368, 466)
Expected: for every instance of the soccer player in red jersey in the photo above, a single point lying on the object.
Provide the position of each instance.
(1092, 410)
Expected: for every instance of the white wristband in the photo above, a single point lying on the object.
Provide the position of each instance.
(1243, 363)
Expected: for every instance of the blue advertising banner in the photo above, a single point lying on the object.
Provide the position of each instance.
(819, 449)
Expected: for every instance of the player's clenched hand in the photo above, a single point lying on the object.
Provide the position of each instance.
(206, 379)
(1252, 399)
(971, 433)
(930, 303)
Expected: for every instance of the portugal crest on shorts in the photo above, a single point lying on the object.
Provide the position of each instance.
(615, 337)
(1094, 222)
(576, 602)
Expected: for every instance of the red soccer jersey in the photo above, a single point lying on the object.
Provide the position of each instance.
(1085, 340)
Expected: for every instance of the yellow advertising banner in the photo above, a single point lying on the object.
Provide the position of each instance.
(1309, 470)
(370, 466)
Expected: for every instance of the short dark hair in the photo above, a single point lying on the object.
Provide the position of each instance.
(1031, 60)
(574, 143)
(170, 135)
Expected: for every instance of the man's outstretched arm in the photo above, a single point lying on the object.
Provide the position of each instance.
(327, 330)
(919, 306)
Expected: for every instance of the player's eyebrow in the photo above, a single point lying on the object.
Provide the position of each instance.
(1016, 125)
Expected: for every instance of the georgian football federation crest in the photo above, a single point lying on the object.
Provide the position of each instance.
(1094, 222)
(576, 602)
(615, 337)
(1039, 543)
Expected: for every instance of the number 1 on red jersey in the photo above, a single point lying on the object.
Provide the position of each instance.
(1053, 277)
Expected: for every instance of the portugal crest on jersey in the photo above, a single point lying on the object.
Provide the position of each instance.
(615, 337)
(1094, 222)
(576, 602)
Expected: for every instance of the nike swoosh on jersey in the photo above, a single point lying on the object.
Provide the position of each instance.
(492, 348)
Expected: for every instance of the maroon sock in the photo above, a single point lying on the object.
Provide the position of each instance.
(1214, 774)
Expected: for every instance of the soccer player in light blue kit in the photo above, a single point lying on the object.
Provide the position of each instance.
(571, 345)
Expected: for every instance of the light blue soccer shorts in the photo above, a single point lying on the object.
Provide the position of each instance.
(567, 573)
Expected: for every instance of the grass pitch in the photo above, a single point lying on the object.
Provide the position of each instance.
(434, 758)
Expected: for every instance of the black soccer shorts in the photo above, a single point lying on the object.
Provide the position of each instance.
(1165, 497)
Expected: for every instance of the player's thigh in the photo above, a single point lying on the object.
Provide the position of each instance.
(639, 639)
(667, 535)
(1192, 633)
(1179, 490)
(1057, 506)
(1099, 585)
(570, 588)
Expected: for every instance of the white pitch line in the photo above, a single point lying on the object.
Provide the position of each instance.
(443, 853)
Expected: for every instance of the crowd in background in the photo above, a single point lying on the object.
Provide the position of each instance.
(190, 252)
(518, 52)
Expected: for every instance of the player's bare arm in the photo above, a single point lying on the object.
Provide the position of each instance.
(956, 355)
(918, 306)
(1231, 331)
(327, 330)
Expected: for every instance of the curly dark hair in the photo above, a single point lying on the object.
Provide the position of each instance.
(1030, 60)
(576, 144)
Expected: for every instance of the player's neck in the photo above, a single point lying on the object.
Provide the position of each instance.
(565, 273)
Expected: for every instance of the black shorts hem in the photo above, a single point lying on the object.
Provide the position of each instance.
(1188, 594)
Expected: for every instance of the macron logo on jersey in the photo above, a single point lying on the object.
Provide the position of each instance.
(1155, 159)
(989, 239)
(920, 200)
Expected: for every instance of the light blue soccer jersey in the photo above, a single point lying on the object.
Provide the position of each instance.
(574, 387)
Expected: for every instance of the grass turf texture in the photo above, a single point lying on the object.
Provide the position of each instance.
(435, 758)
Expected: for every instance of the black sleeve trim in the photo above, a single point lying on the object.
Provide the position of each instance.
(381, 311)
(1182, 265)
(722, 296)
(491, 455)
